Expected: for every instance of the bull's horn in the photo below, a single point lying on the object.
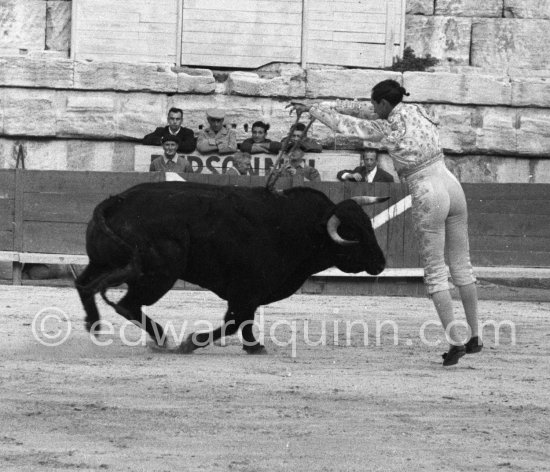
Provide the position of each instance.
(332, 228)
(369, 200)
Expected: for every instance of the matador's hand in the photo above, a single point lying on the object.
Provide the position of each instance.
(298, 107)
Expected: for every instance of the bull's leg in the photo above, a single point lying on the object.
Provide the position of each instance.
(235, 319)
(86, 285)
(145, 290)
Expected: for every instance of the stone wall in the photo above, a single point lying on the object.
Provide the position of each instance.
(64, 114)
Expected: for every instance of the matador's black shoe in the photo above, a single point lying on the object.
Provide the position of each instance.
(451, 357)
(473, 345)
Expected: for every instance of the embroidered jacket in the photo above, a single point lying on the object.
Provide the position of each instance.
(409, 134)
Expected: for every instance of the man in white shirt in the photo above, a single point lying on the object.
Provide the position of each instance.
(368, 171)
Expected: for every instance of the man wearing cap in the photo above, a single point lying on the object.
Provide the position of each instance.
(170, 162)
(241, 164)
(296, 166)
(216, 138)
(185, 136)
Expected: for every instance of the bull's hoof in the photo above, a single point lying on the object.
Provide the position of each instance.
(154, 345)
(256, 349)
(94, 328)
(187, 346)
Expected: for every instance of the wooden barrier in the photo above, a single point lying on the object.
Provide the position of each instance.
(44, 216)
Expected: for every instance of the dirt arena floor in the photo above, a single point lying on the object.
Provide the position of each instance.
(384, 404)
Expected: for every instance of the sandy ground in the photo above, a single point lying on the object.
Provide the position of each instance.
(343, 405)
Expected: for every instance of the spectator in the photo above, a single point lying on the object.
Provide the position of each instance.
(368, 171)
(307, 145)
(259, 143)
(216, 138)
(170, 162)
(241, 164)
(296, 166)
(185, 136)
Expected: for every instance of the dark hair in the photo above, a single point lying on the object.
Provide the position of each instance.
(300, 127)
(389, 90)
(260, 124)
(175, 110)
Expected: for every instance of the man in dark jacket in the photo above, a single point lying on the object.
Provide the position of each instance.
(368, 171)
(185, 136)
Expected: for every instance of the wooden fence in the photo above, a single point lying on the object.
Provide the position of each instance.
(44, 216)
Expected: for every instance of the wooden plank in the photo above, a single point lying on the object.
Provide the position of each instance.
(7, 214)
(214, 27)
(505, 258)
(257, 6)
(510, 243)
(61, 207)
(507, 207)
(243, 17)
(507, 191)
(390, 32)
(322, 52)
(411, 254)
(45, 181)
(361, 7)
(357, 26)
(6, 240)
(395, 256)
(242, 50)
(255, 38)
(341, 19)
(120, 27)
(233, 61)
(58, 238)
(489, 224)
(153, 58)
(44, 258)
(7, 184)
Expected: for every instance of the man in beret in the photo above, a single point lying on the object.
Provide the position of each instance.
(170, 162)
(216, 138)
(295, 165)
(185, 136)
(241, 164)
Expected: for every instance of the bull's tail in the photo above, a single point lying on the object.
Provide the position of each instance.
(100, 219)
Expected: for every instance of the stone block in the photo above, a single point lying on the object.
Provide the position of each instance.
(527, 9)
(487, 8)
(90, 155)
(87, 114)
(138, 114)
(505, 43)
(420, 7)
(456, 127)
(345, 83)
(23, 24)
(490, 169)
(534, 132)
(123, 157)
(443, 37)
(540, 170)
(35, 72)
(29, 112)
(46, 155)
(200, 81)
(447, 87)
(58, 25)
(496, 131)
(251, 84)
(530, 91)
(97, 75)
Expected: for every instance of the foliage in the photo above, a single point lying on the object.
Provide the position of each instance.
(409, 61)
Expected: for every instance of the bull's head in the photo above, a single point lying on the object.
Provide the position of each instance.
(351, 230)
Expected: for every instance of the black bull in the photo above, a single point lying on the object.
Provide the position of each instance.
(248, 245)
